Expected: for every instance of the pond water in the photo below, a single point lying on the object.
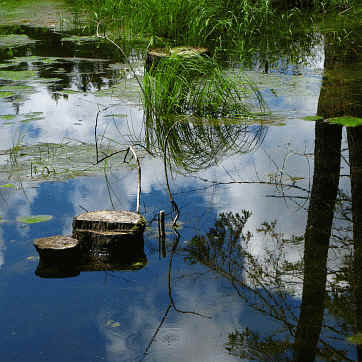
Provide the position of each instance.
(255, 207)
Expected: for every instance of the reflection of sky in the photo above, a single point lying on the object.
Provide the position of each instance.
(75, 316)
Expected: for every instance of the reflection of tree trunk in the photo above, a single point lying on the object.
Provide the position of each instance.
(320, 217)
(355, 157)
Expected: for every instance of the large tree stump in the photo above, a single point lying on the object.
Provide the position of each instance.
(155, 55)
(59, 256)
(109, 234)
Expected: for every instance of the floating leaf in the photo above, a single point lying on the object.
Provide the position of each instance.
(26, 120)
(17, 75)
(7, 186)
(113, 324)
(70, 91)
(32, 258)
(313, 118)
(8, 116)
(14, 40)
(347, 121)
(78, 39)
(34, 219)
(6, 94)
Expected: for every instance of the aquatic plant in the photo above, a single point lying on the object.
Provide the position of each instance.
(201, 110)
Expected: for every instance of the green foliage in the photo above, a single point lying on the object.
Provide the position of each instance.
(196, 86)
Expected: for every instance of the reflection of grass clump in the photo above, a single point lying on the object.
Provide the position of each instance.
(201, 110)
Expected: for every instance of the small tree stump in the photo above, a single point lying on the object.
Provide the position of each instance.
(56, 248)
(59, 256)
(109, 233)
(155, 55)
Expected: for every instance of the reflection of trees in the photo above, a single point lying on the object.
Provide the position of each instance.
(337, 98)
(267, 284)
(269, 280)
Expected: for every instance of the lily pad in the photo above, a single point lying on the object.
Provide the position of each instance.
(313, 118)
(16, 88)
(32, 258)
(79, 39)
(34, 59)
(8, 116)
(31, 119)
(347, 121)
(113, 324)
(6, 94)
(33, 114)
(70, 91)
(7, 186)
(34, 219)
(14, 40)
(17, 75)
(120, 115)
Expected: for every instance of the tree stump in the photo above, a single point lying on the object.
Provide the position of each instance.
(155, 55)
(109, 235)
(59, 256)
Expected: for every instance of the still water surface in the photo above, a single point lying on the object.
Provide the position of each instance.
(233, 295)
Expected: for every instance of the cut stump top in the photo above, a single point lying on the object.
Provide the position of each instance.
(108, 220)
(58, 242)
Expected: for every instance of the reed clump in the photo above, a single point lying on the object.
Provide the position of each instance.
(202, 111)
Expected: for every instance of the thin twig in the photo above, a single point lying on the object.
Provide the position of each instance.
(139, 179)
(124, 55)
(173, 203)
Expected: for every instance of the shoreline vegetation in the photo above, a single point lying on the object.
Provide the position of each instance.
(220, 26)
